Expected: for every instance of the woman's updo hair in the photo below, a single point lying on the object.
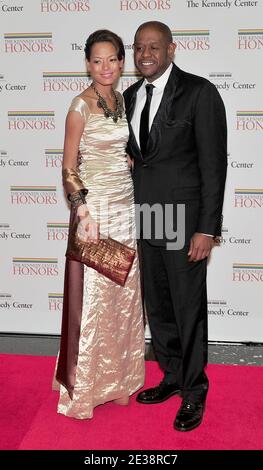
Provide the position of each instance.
(104, 35)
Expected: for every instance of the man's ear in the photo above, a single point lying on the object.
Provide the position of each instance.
(171, 50)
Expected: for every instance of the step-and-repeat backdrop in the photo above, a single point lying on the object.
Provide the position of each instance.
(42, 68)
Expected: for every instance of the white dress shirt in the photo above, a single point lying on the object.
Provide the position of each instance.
(159, 86)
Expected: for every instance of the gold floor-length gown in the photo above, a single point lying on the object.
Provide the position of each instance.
(111, 346)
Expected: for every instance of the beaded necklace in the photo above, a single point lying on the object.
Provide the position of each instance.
(101, 103)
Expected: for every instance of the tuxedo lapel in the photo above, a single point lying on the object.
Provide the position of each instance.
(129, 113)
(164, 109)
(132, 101)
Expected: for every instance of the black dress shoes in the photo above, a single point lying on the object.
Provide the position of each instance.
(189, 416)
(158, 394)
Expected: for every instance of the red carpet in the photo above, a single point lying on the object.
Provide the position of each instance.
(233, 418)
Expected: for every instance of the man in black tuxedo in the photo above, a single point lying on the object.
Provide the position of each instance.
(178, 144)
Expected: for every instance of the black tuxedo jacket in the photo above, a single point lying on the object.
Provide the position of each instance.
(186, 157)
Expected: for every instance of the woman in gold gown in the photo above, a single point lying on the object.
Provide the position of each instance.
(101, 355)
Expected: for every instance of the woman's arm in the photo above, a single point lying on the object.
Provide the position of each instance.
(73, 131)
(74, 187)
(76, 191)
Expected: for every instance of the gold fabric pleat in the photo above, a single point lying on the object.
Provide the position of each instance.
(71, 180)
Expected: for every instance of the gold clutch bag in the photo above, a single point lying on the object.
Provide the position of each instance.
(109, 257)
